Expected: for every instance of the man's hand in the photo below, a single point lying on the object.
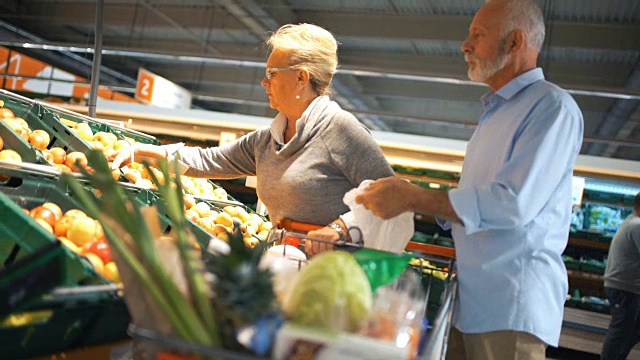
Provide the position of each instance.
(388, 197)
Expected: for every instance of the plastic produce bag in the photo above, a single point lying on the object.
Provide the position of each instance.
(389, 235)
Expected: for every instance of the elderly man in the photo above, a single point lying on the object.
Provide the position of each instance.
(510, 215)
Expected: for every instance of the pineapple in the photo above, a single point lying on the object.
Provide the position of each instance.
(243, 293)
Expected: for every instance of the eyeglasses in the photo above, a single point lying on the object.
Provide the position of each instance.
(269, 71)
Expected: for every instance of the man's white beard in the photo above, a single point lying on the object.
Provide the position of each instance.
(485, 69)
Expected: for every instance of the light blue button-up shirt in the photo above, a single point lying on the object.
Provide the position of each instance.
(514, 199)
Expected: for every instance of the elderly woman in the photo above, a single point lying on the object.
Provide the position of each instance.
(313, 152)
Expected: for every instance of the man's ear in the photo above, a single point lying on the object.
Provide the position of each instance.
(517, 40)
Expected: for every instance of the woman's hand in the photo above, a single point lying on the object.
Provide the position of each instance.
(315, 247)
(122, 157)
(326, 234)
(127, 155)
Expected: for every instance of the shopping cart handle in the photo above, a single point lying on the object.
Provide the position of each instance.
(431, 249)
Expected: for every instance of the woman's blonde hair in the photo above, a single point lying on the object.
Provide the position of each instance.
(312, 48)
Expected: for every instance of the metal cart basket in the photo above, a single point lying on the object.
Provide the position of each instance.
(440, 293)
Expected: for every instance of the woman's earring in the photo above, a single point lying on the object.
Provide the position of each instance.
(297, 96)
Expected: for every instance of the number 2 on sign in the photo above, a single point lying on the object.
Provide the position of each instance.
(144, 88)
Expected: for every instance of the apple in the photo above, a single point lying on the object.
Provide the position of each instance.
(45, 214)
(74, 213)
(111, 272)
(201, 208)
(82, 230)
(45, 225)
(62, 167)
(6, 113)
(39, 139)
(73, 247)
(100, 248)
(74, 157)
(191, 215)
(132, 175)
(48, 156)
(108, 140)
(61, 226)
(120, 144)
(10, 156)
(96, 262)
(225, 219)
(84, 131)
(97, 145)
(189, 201)
(144, 183)
(54, 208)
(59, 155)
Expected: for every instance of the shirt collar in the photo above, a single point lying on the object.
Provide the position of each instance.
(279, 123)
(515, 86)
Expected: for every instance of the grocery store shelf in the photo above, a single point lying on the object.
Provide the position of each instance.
(586, 330)
(594, 244)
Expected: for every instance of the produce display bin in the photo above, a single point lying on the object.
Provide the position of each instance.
(38, 117)
(15, 142)
(64, 319)
(31, 276)
(22, 235)
(59, 116)
(147, 197)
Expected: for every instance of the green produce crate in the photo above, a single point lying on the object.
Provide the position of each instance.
(146, 197)
(445, 241)
(30, 277)
(140, 137)
(571, 263)
(603, 196)
(39, 117)
(20, 234)
(21, 106)
(15, 142)
(593, 266)
(65, 319)
(56, 115)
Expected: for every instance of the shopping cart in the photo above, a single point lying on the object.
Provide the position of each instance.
(438, 277)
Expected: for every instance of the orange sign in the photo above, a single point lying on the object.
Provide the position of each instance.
(43, 78)
(144, 88)
(155, 90)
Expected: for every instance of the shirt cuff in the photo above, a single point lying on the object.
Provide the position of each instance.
(349, 220)
(171, 150)
(465, 204)
(444, 224)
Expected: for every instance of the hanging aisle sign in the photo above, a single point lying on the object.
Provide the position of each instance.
(155, 90)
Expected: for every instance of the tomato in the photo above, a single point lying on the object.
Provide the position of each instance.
(100, 248)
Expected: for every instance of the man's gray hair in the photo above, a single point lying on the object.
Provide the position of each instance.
(527, 16)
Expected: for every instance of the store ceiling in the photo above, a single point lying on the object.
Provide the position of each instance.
(401, 68)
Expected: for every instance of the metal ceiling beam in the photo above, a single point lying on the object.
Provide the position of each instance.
(617, 118)
(624, 94)
(455, 28)
(80, 65)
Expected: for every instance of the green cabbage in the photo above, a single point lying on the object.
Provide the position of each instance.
(331, 292)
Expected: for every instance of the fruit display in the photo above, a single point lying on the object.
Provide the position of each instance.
(219, 222)
(80, 233)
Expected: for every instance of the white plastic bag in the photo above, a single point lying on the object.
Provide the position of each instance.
(389, 235)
